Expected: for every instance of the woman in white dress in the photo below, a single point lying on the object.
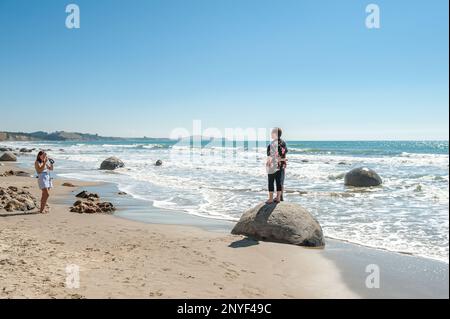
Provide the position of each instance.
(43, 166)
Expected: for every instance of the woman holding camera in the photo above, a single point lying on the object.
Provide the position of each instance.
(43, 166)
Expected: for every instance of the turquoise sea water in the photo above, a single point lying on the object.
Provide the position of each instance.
(409, 213)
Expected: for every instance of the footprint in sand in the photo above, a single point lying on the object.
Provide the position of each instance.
(186, 276)
(249, 291)
(155, 294)
(231, 274)
(219, 286)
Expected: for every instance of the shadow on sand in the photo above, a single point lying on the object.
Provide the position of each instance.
(18, 214)
(245, 242)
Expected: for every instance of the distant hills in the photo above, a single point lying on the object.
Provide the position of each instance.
(57, 136)
(74, 136)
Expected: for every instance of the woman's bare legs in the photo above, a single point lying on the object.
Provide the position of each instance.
(44, 198)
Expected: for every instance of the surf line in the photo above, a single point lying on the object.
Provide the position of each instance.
(187, 309)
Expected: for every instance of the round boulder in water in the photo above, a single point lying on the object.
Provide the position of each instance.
(362, 177)
(8, 157)
(283, 223)
(158, 163)
(111, 163)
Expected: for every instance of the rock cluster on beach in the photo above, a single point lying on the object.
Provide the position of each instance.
(284, 222)
(362, 177)
(111, 163)
(15, 199)
(90, 204)
(87, 195)
(16, 173)
(8, 157)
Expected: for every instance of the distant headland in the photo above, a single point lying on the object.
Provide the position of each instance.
(64, 136)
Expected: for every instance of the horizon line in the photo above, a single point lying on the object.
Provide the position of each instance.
(205, 137)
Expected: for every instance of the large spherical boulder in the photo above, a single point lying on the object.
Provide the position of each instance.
(283, 222)
(362, 177)
(111, 163)
(8, 157)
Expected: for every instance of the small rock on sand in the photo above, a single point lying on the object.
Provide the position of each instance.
(67, 184)
(158, 163)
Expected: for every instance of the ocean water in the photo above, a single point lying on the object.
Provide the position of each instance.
(409, 213)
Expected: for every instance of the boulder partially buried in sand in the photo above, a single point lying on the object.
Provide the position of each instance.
(362, 177)
(111, 163)
(284, 223)
(8, 157)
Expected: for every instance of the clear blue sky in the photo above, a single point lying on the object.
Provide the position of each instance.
(144, 67)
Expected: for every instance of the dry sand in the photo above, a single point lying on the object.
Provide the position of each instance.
(120, 258)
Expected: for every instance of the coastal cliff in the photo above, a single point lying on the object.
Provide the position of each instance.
(69, 136)
(54, 136)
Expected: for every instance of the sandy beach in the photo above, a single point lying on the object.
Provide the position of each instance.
(224, 150)
(168, 255)
(120, 258)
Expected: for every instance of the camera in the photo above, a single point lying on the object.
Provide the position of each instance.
(51, 161)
